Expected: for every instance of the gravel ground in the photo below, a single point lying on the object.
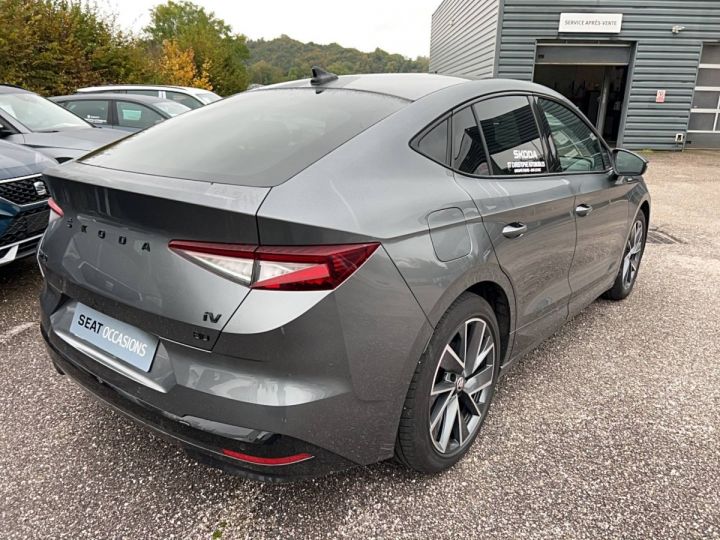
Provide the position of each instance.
(611, 429)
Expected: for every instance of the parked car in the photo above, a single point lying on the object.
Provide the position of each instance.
(341, 277)
(121, 111)
(31, 120)
(24, 209)
(190, 97)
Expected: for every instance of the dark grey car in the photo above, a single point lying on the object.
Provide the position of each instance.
(333, 272)
(31, 120)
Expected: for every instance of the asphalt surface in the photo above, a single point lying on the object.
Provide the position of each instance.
(611, 429)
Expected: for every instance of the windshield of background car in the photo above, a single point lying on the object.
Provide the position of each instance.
(39, 114)
(207, 97)
(172, 108)
(259, 138)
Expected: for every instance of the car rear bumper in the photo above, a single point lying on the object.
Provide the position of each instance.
(329, 380)
(202, 444)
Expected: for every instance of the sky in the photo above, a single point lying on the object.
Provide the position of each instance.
(397, 26)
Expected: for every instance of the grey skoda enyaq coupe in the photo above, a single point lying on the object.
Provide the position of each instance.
(334, 271)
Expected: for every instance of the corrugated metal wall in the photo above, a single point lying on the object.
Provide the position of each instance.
(462, 38)
(662, 60)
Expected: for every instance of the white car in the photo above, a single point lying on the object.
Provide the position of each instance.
(190, 97)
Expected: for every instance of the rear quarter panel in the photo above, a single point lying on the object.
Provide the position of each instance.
(376, 188)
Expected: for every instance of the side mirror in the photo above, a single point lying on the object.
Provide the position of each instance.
(626, 163)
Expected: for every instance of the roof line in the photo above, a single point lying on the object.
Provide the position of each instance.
(320, 88)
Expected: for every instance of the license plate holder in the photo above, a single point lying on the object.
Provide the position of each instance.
(123, 341)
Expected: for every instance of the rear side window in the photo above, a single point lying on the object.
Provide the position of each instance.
(468, 153)
(434, 144)
(511, 134)
(576, 146)
(259, 138)
(93, 111)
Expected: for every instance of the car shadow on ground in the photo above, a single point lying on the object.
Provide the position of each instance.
(164, 463)
(20, 274)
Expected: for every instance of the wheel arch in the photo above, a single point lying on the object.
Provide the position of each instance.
(645, 209)
(490, 283)
(495, 295)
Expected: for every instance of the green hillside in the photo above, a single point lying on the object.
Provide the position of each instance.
(284, 58)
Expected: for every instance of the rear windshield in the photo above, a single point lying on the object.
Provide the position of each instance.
(259, 138)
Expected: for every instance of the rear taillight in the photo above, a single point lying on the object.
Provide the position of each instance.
(55, 211)
(292, 268)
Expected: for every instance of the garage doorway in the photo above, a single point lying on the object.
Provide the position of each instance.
(592, 76)
(704, 126)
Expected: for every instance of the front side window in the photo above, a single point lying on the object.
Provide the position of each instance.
(137, 116)
(468, 154)
(576, 146)
(511, 135)
(93, 111)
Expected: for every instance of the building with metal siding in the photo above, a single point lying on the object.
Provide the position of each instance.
(646, 72)
(462, 38)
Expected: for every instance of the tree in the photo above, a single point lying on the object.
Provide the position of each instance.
(211, 39)
(292, 59)
(263, 72)
(56, 46)
(177, 66)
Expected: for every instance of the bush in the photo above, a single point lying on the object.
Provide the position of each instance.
(54, 47)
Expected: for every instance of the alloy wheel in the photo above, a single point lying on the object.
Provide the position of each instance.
(462, 386)
(633, 252)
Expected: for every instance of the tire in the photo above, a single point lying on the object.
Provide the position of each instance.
(419, 446)
(623, 285)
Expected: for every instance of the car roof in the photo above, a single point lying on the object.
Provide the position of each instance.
(89, 96)
(410, 86)
(187, 89)
(12, 89)
(414, 86)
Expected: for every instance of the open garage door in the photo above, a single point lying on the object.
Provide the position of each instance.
(591, 75)
(704, 126)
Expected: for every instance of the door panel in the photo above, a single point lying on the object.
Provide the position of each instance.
(601, 205)
(529, 219)
(601, 236)
(537, 262)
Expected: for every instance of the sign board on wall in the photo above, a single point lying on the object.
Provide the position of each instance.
(591, 23)
(660, 96)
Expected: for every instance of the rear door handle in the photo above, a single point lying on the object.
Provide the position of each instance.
(514, 230)
(583, 210)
